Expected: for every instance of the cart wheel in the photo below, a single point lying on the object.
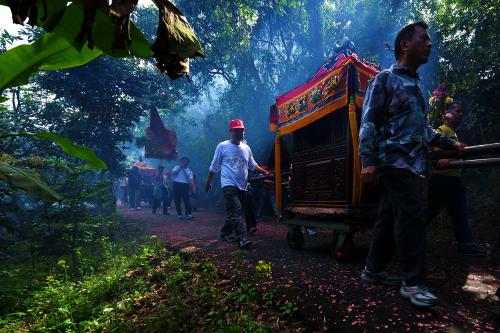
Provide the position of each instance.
(344, 250)
(295, 238)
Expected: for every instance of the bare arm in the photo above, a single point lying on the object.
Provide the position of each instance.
(208, 184)
(259, 169)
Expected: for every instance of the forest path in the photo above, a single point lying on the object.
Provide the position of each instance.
(330, 296)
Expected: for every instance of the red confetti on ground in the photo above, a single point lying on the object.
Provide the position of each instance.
(335, 288)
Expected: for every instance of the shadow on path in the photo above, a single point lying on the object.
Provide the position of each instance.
(330, 295)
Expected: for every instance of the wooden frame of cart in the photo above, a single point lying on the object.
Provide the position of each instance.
(322, 116)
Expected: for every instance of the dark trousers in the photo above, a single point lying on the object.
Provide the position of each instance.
(268, 194)
(250, 220)
(235, 205)
(400, 225)
(134, 197)
(181, 192)
(449, 192)
(163, 201)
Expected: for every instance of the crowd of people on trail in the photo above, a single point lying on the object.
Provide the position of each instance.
(180, 186)
(395, 139)
(160, 188)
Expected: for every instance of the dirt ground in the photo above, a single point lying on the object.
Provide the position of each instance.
(330, 295)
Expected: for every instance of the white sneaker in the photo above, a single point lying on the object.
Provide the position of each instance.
(418, 295)
(311, 231)
(244, 243)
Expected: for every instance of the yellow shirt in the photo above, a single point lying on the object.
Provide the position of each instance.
(449, 132)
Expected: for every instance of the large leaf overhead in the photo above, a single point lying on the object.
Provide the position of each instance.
(175, 42)
(49, 52)
(43, 13)
(119, 12)
(29, 181)
(69, 147)
(103, 31)
(93, 27)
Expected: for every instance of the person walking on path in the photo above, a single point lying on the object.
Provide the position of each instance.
(134, 185)
(160, 191)
(123, 189)
(193, 194)
(233, 158)
(447, 190)
(250, 218)
(268, 193)
(182, 178)
(395, 136)
(170, 187)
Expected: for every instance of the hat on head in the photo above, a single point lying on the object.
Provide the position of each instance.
(236, 123)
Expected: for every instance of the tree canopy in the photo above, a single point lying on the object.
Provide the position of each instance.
(254, 50)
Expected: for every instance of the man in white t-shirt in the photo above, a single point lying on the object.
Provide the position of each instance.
(182, 178)
(233, 158)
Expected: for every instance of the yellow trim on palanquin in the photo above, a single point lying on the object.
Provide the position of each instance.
(337, 104)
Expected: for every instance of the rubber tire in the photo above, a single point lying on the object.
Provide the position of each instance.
(294, 238)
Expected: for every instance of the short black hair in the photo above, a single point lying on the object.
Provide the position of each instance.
(406, 33)
(185, 158)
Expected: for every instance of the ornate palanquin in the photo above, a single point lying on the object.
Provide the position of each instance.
(323, 116)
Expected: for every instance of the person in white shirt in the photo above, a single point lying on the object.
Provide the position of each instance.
(123, 189)
(182, 178)
(233, 158)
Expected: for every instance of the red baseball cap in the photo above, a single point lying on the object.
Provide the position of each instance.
(236, 123)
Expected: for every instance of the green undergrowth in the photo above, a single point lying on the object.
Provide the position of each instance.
(151, 289)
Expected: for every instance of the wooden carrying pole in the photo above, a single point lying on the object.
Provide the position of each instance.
(491, 148)
(277, 172)
(270, 177)
(485, 162)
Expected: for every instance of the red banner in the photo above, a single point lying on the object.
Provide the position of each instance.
(160, 142)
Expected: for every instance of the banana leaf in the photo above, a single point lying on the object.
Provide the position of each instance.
(69, 147)
(29, 181)
(55, 9)
(49, 52)
(174, 28)
(46, 15)
(48, 12)
(102, 33)
(66, 21)
(175, 41)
